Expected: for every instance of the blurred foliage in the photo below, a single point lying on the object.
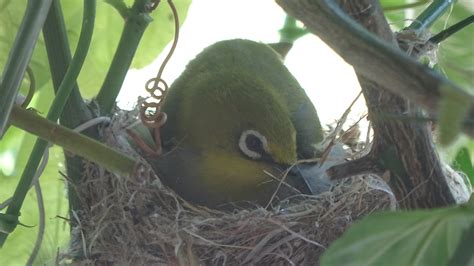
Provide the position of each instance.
(16, 145)
(463, 162)
(424, 237)
(455, 56)
(15, 148)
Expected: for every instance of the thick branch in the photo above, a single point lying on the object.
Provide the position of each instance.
(402, 148)
(374, 58)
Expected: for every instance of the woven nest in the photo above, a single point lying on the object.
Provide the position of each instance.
(138, 221)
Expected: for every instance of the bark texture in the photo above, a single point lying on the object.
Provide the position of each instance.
(402, 150)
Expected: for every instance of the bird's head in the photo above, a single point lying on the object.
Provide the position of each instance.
(236, 114)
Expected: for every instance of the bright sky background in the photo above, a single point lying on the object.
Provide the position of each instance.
(328, 80)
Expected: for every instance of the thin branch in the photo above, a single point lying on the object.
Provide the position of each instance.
(74, 142)
(435, 10)
(443, 35)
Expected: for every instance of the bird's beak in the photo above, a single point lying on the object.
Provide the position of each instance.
(314, 174)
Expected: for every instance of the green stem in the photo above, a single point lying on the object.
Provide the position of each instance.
(20, 55)
(443, 35)
(120, 6)
(73, 142)
(77, 61)
(76, 111)
(132, 33)
(56, 41)
(431, 14)
(55, 110)
(290, 31)
(405, 6)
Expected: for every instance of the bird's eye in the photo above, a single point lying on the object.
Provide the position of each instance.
(253, 144)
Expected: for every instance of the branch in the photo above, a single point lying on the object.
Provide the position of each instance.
(402, 150)
(376, 59)
(73, 142)
(435, 10)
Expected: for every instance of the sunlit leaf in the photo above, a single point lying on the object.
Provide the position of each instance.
(107, 32)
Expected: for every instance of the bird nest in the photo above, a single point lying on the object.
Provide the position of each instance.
(136, 220)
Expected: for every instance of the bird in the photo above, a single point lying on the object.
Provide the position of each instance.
(236, 119)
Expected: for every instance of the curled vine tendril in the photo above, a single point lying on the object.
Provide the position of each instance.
(150, 113)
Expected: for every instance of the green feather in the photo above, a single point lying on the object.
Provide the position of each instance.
(230, 87)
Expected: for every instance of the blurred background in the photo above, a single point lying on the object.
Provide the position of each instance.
(328, 80)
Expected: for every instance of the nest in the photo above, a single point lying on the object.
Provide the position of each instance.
(138, 221)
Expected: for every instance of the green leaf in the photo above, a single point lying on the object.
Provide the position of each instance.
(452, 110)
(109, 25)
(456, 54)
(425, 237)
(107, 31)
(10, 18)
(18, 144)
(463, 163)
(464, 254)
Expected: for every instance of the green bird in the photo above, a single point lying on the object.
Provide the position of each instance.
(236, 119)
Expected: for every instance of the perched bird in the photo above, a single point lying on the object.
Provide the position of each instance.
(236, 117)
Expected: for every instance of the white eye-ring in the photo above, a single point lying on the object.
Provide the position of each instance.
(253, 144)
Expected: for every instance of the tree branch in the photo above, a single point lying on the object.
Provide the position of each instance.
(374, 58)
(404, 149)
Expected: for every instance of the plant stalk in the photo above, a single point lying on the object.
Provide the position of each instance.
(429, 16)
(56, 41)
(55, 110)
(76, 111)
(73, 142)
(290, 31)
(132, 33)
(20, 55)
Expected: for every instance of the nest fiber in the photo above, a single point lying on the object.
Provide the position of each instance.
(137, 220)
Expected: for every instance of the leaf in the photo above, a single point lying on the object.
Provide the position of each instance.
(11, 15)
(456, 54)
(20, 243)
(425, 237)
(463, 163)
(107, 32)
(453, 108)
(464, 254)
